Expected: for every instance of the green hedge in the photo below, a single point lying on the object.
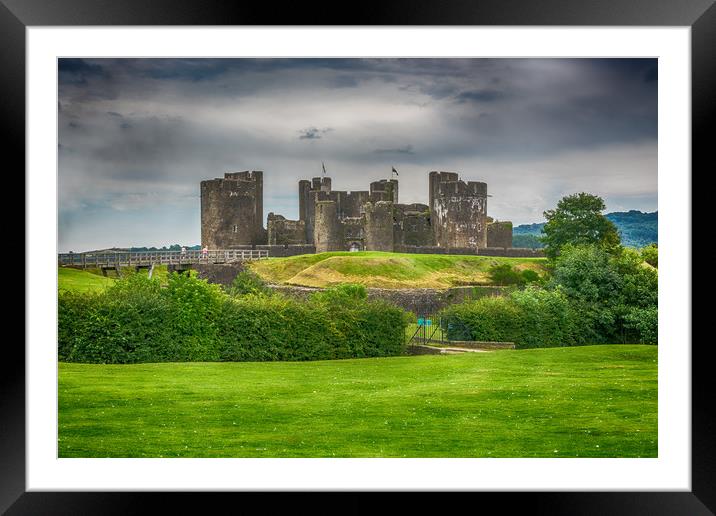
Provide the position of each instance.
(136, 320)
(530, 318)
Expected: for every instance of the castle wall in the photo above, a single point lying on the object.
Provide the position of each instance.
(282, 231)
(511, 252)
(281, 250)
(499, 234)
(411, 225)
(349, 204)
(379, 226)
(232, 210)
(328, 234)
(433, 249)
(353, 233)
(454, 222)
(458, 211)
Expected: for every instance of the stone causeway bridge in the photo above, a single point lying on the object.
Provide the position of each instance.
(148, 259)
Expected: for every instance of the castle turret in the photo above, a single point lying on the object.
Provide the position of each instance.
(379, 226)
(232, 210)
(458, 211)
(328, 234)
(309, 192)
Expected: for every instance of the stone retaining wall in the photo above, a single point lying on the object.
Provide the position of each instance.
(221, 273)
(416, 300)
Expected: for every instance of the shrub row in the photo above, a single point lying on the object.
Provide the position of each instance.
(594, 297)
(136, 320)
(530, 318)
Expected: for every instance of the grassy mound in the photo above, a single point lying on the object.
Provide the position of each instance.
(386, 270)
(593, 401)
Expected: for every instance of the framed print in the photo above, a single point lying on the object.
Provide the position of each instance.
(247, 268)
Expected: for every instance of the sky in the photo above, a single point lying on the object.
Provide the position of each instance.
(136, 136)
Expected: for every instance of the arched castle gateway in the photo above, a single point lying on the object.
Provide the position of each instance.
(455, 221)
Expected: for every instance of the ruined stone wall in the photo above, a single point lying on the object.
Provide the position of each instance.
(499, 234)
(416, 300)
(411, 225)
(328, 234)
(219, 273)
(458, 211)
(282, 231)
(232, 210)
(379, 226)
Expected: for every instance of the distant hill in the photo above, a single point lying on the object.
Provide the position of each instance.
(636, 228)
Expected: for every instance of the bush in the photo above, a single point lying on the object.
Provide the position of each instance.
(127, 323)
(530, 276)
(595, 296)
(341, 294)
(532, 317)
(137, 320)
(248, 282)
(504, 274)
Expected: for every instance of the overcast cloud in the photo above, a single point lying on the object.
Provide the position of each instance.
(136, 136)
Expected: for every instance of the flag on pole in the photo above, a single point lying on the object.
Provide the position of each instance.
(324, 168)
(395, 171)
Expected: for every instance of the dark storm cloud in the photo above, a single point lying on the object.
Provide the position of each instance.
(79, 71)
(313, 133)
(139, 134)
(486, 95)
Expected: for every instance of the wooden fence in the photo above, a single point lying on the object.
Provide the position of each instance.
(129, 259)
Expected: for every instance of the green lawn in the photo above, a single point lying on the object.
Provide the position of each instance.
(89, 280)
(81, 280)
(386, 270)
(592, 401)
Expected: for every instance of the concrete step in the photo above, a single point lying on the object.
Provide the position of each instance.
(422, 349)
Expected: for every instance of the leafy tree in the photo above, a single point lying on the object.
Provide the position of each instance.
(578, 219)
(650, 254)
(616, 293)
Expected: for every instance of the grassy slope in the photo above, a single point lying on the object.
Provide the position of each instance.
(92, 280)
(80, 280)
(594, 401)
(385, 270)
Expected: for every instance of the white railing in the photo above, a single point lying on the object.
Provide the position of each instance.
(127, 259)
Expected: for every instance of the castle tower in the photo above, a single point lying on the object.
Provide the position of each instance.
(328, 234)
(308, 194)
(232, 210)
(458, 210)
(379, 226)
(384, 190)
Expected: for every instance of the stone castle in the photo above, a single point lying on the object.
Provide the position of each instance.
(455, 220)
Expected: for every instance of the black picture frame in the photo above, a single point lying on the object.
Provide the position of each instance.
(17, 15)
